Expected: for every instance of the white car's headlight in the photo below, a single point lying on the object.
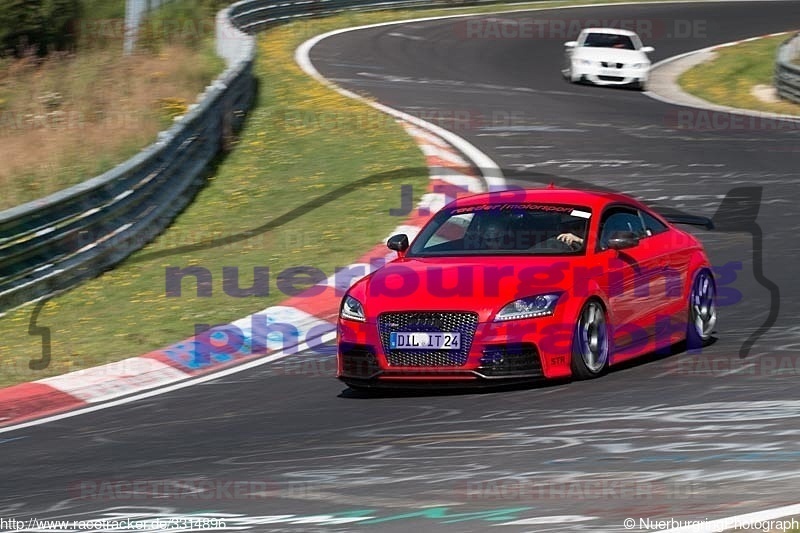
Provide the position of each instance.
(585, 62)
(530, 307)
(352, 310)
(637, 65)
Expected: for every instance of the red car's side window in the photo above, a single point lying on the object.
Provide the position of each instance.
(652, 224)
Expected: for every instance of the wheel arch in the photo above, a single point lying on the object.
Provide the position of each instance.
(697, 263)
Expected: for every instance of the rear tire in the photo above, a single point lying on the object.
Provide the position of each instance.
(702, 310)
(590, 342)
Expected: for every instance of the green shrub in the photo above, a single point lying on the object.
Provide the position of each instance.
(37, 26)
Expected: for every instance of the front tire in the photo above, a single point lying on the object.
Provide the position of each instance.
(590, 342)
(702, 310)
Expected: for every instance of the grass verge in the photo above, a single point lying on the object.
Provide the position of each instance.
(301, 145)
(729, 78)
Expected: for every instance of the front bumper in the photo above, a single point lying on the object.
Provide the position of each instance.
(600, 75)
(497, 353)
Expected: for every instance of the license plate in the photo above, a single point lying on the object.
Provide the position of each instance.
(609, 72)
(424, 341)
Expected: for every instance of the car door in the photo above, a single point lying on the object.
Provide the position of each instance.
(629, 277)
(671, 263)
(668, 284)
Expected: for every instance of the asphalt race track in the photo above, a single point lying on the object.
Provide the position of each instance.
(684, 436)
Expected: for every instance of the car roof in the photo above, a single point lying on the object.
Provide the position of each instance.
(613, 31)
(594, 200)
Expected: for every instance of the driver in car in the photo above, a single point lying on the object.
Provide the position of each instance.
(494, 235)
(573, 235)
(570, 238)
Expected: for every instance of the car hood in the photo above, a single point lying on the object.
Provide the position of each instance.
(613, 55)
(482, 285)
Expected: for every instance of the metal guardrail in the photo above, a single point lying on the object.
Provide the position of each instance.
(787, 71)
(252, 16)
(51, 244)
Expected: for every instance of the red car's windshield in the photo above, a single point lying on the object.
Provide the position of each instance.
(515, 229)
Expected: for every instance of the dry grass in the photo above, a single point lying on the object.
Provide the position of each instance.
(66, 118)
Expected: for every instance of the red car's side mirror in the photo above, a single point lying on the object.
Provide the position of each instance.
(398, 243)
(621, 240)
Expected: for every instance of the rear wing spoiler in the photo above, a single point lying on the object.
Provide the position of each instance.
(691, 220)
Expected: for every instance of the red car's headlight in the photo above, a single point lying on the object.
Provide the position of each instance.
(352, 310)
(530, 307)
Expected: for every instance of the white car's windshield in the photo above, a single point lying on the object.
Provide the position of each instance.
(609, 40)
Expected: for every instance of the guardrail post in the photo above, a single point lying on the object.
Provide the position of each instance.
(787, 72)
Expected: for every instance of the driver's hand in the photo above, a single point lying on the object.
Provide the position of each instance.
(570, 238)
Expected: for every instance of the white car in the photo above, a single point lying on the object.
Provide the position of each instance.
(608, 56)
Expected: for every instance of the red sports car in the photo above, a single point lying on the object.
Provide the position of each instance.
(526, 284)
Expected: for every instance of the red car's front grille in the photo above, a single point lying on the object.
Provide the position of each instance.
(428, 322)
